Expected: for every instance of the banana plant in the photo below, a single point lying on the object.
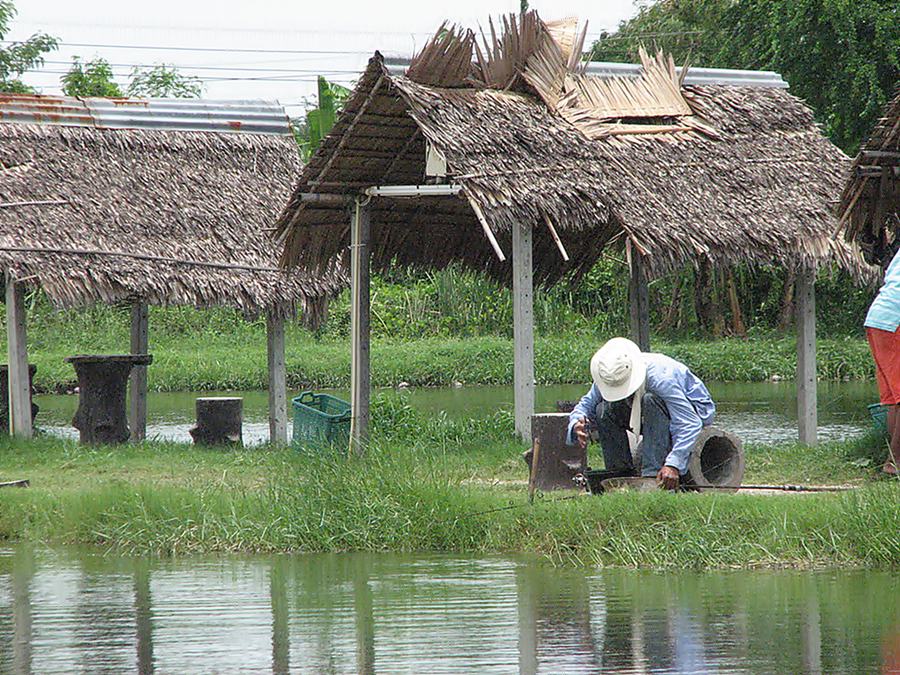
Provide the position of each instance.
(310, 131)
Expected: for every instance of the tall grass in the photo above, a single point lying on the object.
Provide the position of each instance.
(425, 494)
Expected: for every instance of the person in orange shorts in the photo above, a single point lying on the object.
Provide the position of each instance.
(882, 322)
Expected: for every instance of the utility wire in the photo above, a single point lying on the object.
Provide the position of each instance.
(600, 37)
(313, 71)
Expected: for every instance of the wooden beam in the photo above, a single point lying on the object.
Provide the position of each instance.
(523, 329)
(278, 407)
(326, 198)
(20, 422)
(556, 239)
(639, 299)
(140, 344)
(359, 327)
(869, 155)
(806, 356)
(487, 229)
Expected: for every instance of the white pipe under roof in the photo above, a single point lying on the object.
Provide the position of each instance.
(413, 190)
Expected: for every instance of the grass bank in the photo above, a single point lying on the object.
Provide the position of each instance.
(438, 491)
(236, 359)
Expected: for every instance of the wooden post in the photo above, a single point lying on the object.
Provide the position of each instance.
(523, 329)
(639, 300)
(20, 422)
(140, 344)
(278, 408)
(806, 356)
(359, 327)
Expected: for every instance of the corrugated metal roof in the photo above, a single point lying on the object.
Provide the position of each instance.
(397, 65)
(248, 117)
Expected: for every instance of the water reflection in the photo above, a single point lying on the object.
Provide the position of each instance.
(758, 412)
(65, 612)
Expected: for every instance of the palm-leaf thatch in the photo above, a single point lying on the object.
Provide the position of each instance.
(755, 190)
(169, 217)
(446, 59)
(869, 208)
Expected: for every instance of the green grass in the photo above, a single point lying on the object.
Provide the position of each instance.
(439, 492)
(237, 360)
(219, 349)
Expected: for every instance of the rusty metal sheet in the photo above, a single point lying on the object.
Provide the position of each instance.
(247, 117)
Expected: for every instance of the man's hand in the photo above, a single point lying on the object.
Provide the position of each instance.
(668, 477)
(580, 433)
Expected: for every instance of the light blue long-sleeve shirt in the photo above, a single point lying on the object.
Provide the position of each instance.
(690, 406)
(884, 312)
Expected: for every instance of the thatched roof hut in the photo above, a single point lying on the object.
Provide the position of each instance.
(165, 201)
(754, 189)
(869, 208)
(149, 202)
(523, 145)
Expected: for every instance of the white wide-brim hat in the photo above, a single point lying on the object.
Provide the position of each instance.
(618, 369)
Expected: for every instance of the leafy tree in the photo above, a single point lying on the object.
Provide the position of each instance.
(841, 56)
(162, 81)
(94, 78)
(310, 131)
(21, 56)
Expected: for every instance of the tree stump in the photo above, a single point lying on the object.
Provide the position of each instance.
(4, 396)
(102, 383)
(558, 463)
(219, 421)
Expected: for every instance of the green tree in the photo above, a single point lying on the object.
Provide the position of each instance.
(162, 81)
(310, 131)
(841, 56)
(21, 56)
(94, 78)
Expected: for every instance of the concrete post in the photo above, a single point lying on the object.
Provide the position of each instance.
(807, 413)
(140, 344)
(20, 422)
(523, 329)
(278, 407)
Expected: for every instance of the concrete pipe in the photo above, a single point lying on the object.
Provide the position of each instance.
(717, 460)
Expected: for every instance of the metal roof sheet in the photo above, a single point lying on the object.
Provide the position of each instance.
(397, 65)
(247, 117)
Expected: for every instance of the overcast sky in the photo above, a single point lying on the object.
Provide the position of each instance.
(270, 49)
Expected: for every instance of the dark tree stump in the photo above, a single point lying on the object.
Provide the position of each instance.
(558, 463)
(102, 383)
(4, 396)
(219, 421)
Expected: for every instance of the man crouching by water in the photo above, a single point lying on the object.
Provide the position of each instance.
(646, 402)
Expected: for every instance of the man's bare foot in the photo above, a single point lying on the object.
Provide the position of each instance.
(890, 468)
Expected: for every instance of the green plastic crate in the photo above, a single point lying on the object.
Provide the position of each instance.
(879, 416)
(320, 419)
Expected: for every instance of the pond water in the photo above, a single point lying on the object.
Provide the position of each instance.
(73, 611)
(758, 412)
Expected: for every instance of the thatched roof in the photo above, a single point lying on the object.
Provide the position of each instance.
(94, 212)
(745, 177)
(869, 209)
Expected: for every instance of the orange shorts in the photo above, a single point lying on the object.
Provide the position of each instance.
(885, 348)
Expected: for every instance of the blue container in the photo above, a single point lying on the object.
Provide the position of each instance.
(879, 416)
(320, 419)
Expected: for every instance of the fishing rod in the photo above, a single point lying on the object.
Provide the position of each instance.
(780, 488)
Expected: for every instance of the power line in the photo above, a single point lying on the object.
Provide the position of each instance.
(274, 78)
(600, 37)
(234, 50)
(314, 71)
